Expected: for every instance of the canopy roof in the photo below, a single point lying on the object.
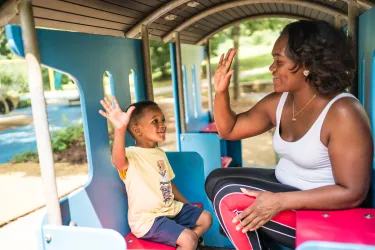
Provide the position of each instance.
(196, 20)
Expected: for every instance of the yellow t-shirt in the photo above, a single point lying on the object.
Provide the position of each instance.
(148, 185)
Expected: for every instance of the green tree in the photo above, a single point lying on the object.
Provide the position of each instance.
(160, 58)
(4, 47)
(247, 29)
(273, 24)
(15, 74)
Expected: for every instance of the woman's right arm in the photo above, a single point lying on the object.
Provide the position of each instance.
(255, 121)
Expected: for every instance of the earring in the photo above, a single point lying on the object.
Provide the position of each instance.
(306, 72)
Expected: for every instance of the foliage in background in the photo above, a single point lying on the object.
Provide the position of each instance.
(247, 29)
(160, 56)
(64, 138)
(28, 156)
(61, 140)
(5, 52)
(160, 59)
(24, 104)
(14, 74)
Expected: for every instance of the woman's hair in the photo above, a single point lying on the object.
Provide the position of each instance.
(323, 50)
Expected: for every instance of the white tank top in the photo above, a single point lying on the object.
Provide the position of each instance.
(305, 163)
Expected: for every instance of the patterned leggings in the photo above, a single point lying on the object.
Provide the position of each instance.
(223, 189)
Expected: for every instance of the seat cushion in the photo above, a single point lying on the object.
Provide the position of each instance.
(355, 226)
(210, 128)
(133, 242)
(225, 161)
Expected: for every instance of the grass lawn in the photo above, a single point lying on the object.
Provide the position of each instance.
(264, 76)
(253, 62)
(163, 83)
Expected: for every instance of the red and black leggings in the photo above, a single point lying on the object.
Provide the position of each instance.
(223, 189)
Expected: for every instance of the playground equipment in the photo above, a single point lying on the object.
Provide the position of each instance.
(7, 102)
(94, 216)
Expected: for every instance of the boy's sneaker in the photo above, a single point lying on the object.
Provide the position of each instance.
(200, 243)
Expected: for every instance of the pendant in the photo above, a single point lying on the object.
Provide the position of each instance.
(294, 119)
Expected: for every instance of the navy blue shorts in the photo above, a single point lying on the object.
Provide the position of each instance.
(167, 230)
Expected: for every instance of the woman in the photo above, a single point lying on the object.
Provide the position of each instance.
(322, 135)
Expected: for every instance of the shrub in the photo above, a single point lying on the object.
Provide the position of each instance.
(28, 156)
(61, 140)
(24, 104)
(64, 138)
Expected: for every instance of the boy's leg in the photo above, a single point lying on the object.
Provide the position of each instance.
(203, 223)
(194, 218)
(187, 240)
(167, 231)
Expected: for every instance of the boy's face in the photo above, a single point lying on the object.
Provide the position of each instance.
(151, 126)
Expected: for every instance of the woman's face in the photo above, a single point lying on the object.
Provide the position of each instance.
(284, 80)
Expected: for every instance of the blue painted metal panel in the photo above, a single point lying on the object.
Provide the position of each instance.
(58, 79)
(366, 47)
(196, 96)
(186, 95)
(207, 145)
(234, 150)
(320, 245)
(65, 237)
(192, 58)
(172, 48)
(190, 178)
(372, 86)
(103, 201)
(361, 79)
(140, 91)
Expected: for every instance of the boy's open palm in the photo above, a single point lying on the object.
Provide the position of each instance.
(118, 118)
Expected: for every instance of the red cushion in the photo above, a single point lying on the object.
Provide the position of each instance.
(355, 226)
(210, 128)
(133, 242)
(225, 161)
(197, 204)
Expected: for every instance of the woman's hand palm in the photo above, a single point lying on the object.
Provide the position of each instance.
(222, 76)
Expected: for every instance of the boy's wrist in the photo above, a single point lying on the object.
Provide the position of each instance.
(120, 130)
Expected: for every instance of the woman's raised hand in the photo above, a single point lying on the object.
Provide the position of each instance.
(222, 74)
(118, 118)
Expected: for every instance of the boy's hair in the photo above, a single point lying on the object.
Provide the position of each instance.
(140, 107)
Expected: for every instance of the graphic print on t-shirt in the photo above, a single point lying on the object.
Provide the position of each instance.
(165, 182)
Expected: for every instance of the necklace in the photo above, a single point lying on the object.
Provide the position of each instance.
(295, 115)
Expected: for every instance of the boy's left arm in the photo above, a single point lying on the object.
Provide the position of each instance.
(177, 195)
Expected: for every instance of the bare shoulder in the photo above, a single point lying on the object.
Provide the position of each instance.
(268, 105)
(348, 112)
(348, 108)
(273, 97)
(270, 101)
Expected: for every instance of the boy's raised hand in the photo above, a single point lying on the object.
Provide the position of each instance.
(118, 118)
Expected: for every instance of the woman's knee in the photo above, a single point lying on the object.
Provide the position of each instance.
(212, 180)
